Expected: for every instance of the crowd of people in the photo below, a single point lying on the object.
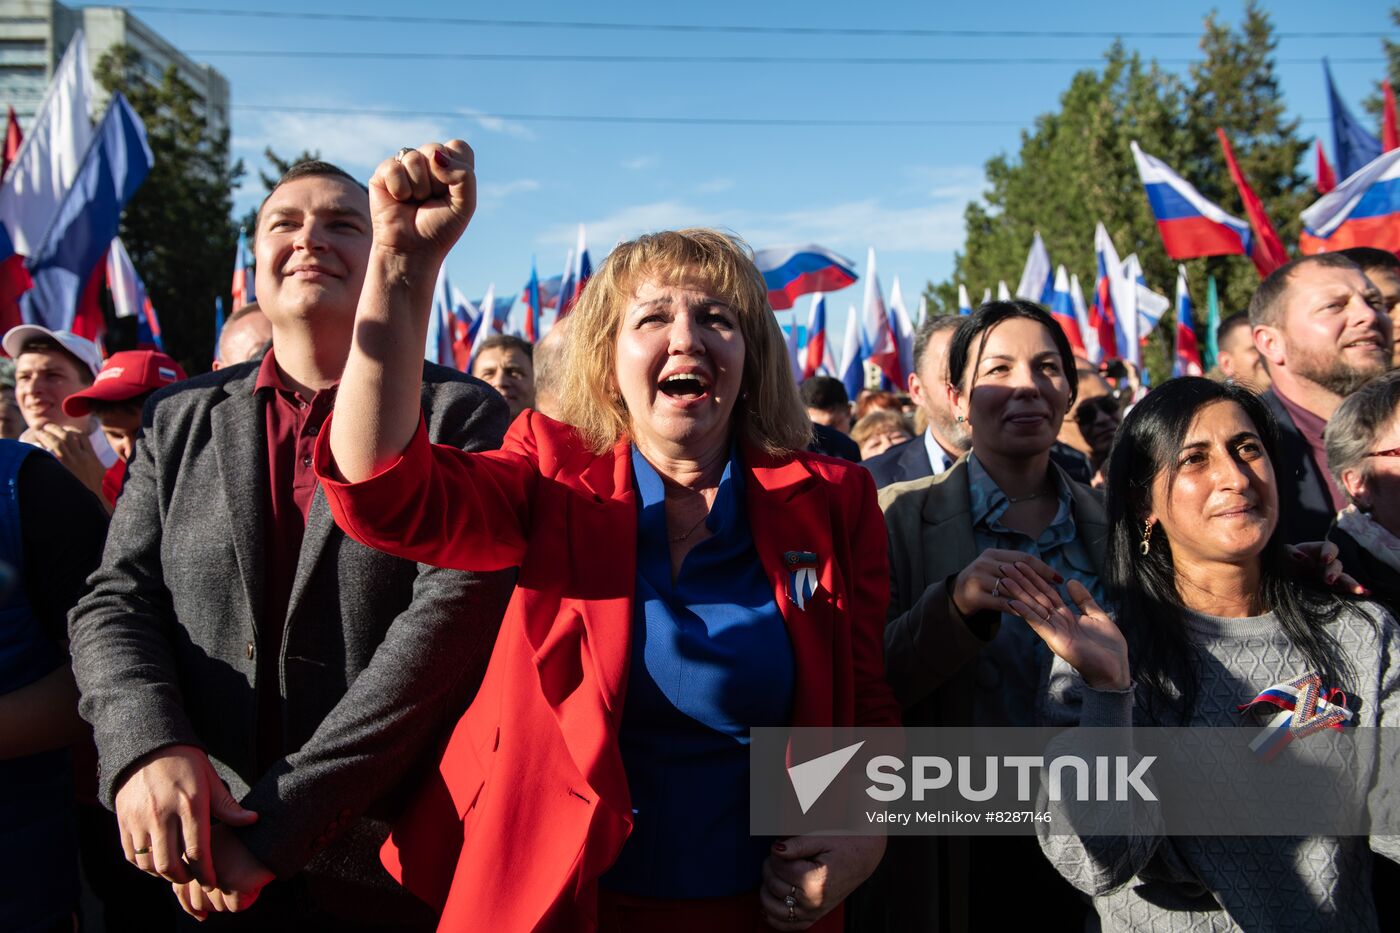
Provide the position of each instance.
(365, 643)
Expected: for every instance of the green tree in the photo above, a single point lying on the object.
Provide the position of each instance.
(177, 227)
(1236, 89)
(1075, 169)
(279, 167)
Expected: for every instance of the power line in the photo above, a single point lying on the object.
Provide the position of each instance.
(573, 58)
(647, 119)
(740, 28)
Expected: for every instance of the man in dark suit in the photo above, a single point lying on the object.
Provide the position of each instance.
(946, 439)
(239, 657)
(1322, 328)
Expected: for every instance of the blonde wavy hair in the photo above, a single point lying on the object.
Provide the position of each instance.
(768, 413)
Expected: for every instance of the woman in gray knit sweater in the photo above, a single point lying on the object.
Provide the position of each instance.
(1200, 577)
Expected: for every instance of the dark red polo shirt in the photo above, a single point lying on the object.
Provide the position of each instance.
(1311, 427)
(292, 422)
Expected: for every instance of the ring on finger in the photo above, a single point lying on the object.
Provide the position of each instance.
(398, 156)
(996, 588)
(144, 850)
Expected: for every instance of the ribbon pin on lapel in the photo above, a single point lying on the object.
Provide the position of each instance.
(802, 576)
(1302, 711)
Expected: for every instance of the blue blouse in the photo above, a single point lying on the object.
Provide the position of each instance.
(1009, 667)
(710, 659)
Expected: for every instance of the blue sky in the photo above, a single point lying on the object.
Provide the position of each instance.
(901, 189)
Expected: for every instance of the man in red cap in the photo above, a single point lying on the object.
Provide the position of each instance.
(115, 399)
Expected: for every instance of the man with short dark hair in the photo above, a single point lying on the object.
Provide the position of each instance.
(1239, 360)
(1382, 267)
(258, 683)
(1092, 422)
(246, 336)
(827, 402)
(506, 364)
(51, 365)
(946, 439)
(1321, 326)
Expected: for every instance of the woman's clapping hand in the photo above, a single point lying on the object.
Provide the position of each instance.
(1088, 640)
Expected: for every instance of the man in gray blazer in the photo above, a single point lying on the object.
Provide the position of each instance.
(240, 659)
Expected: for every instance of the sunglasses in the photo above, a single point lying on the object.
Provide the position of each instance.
(1393, 452)
(1089, 410)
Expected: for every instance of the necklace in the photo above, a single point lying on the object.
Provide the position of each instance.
(1035, 495)
(693, 528)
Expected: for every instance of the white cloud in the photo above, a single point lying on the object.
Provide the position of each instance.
(353, 140)
(504, 189)
(848, 227)
(638, 163)
(948, 182)
(628, 222)
(714, 186)
(498, 124)
(853, 225)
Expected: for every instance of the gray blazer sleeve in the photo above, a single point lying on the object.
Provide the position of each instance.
(420, 679)
(121, 634)
(930, 642)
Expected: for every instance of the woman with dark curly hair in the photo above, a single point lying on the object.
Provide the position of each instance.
(1210, 603)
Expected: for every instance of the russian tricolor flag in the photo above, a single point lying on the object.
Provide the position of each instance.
(437, 343)
(244, 291)
(853, 356)
(498, 309)
(1061, 306)
(533, 305)
(578, 269)
(129, 297)
(1038, 277)
(117, 161)
(1092, 353)
(793, 271)
(1364, 210)
(793, 338)
(1188, 352)
(466, 322)
(903, 329)
(1191, 226)
(817, 359)
(1107, 291)
(877, 335)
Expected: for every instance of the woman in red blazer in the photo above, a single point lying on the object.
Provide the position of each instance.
(554, 806)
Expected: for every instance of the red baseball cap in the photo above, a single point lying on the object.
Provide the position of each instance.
(125, 375)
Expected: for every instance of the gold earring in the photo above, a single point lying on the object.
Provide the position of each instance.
(1146, 546)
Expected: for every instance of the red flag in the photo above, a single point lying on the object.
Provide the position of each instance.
(13, 137)
(14, 281)
(1390, 133)
(1326, 180)
(88, 320)
(1267, 249)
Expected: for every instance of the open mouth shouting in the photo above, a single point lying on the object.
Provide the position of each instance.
(686, 387)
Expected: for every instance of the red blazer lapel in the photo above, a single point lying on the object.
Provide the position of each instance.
(790, 514)
(581, 632)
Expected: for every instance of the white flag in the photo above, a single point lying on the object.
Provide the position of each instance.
(49, 158)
